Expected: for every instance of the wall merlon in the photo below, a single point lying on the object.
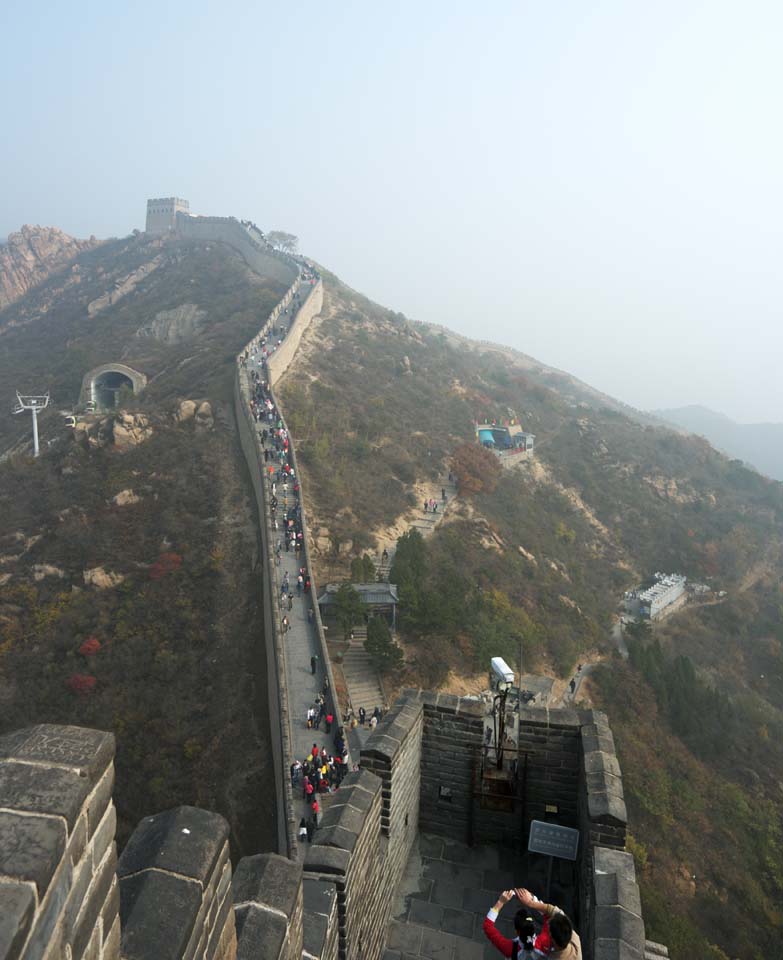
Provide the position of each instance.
(86, 752)
(185, 841)
(598, 761)
(329, 860)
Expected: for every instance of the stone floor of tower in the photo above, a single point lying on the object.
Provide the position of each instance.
(448, 888)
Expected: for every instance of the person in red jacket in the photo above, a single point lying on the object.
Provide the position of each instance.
(526, 943)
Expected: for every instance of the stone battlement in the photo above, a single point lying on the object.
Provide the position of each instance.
(171, 896)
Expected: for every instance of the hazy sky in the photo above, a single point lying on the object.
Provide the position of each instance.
(595, 183)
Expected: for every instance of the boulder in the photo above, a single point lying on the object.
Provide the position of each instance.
(204, 418)
(41, 570)
(130, 429)
(186, 411)
(101, 578)
(125, 498)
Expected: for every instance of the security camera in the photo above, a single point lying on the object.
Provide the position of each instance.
(501, 673)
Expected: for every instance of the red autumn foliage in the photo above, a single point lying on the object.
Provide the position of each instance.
(476, 468)
(81, 683)
(90, 646)
(165, 564)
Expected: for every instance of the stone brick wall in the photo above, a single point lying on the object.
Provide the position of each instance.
(281, 359)
(62, 892)
(263, 260)
(393, 754)
(349, 853)
(272, 641)
(602, 812)
(268, 904)
(549, 764)
(451, 744)
(270, 588)
(175, 888)
(321, 933)
(58, 890)
(615, 928)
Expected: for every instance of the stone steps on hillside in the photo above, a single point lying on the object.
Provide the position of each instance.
(361, 677)
(425, 523)
(406, 941)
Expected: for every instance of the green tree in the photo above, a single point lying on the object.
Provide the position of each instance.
(385, 653)
(283, 241)
(408, 571)
(349, 608)
(363, 569)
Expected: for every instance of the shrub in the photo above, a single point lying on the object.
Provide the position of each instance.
(385, 653)
(477, 469)
(90, 647)
(81, 684)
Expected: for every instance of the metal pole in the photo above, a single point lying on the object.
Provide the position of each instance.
(35, 432)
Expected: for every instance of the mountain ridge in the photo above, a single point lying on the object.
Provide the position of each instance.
(33, 253)
(758, 444)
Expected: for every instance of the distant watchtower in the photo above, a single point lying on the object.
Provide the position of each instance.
(162, 213)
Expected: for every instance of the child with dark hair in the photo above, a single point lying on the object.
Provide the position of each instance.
(557, 938)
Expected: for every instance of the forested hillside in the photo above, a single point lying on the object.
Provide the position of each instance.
(542, 554)
(128, 597)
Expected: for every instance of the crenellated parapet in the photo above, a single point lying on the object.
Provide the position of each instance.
(58, 858)
(172, 897)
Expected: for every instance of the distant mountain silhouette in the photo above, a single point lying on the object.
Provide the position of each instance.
(758, 444)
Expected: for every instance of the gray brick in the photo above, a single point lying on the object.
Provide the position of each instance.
(267, 878)
(99, 800)
(157, 912)
(104, 835)
(94, 902)
(31, 848)
(259, 934)
(184, 840)
(36, 789)
(44, 923)
(16, 916)
(427, 914)
(89, 752)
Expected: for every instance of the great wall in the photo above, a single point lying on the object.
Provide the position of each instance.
(173, 894)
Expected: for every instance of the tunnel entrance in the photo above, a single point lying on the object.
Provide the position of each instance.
(109, 388)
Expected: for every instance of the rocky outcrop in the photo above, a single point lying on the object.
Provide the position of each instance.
(172, 326)
(123, 286)
(102, 578)
(130, 429)
(125, 498)
(31, 255)
(186, 410)
(41, 570)
(204, 418)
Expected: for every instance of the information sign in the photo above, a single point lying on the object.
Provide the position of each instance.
(553, 840)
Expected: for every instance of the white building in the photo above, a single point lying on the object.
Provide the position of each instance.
(667, 590)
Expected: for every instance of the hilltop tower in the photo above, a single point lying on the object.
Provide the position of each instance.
(162, 213)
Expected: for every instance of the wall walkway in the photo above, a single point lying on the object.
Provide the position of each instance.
(293, 687)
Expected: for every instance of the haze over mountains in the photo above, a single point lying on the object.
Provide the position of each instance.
(758, 444)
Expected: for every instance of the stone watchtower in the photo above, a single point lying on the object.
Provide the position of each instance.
(162, 213)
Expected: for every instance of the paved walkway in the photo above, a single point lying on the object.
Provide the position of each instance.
(447, 889)
(301, 640)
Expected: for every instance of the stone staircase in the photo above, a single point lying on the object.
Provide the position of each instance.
(425, 523)
(361, 677)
